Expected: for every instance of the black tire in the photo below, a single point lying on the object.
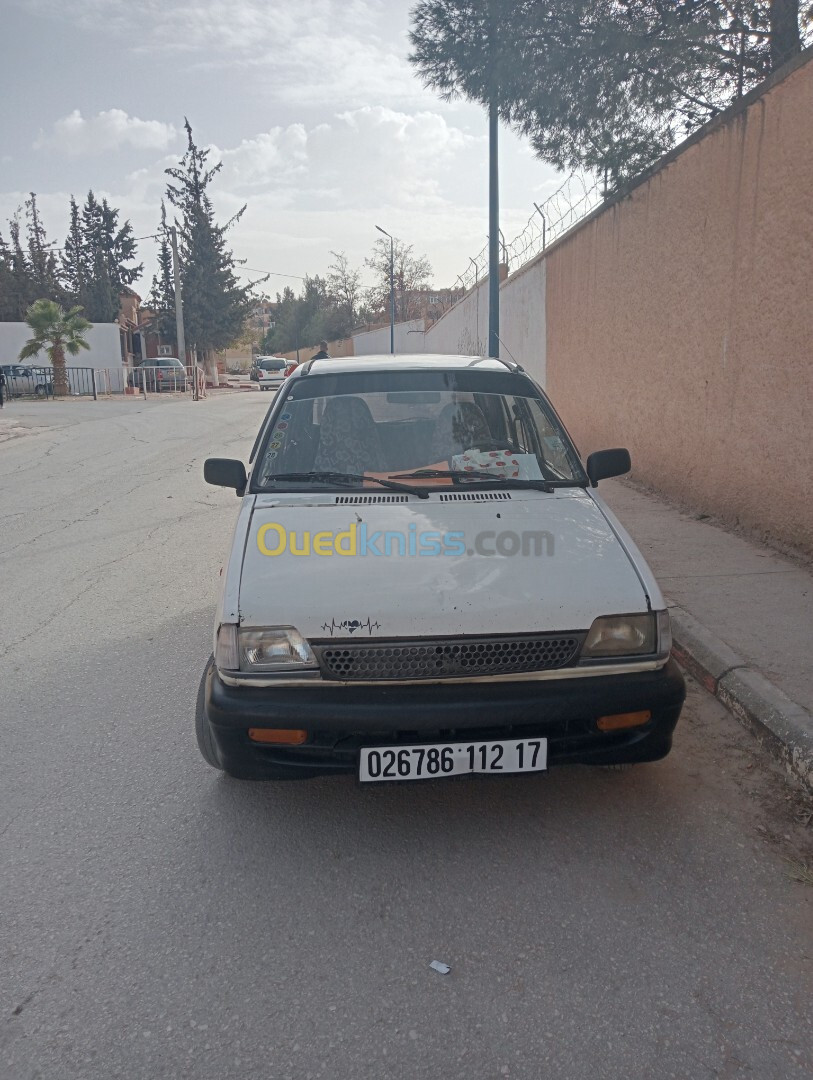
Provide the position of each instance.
(40, 391)
(623, 767)
(203, 729)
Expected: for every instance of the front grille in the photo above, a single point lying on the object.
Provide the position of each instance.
(367, 500)
(475, 496)
(449, 658)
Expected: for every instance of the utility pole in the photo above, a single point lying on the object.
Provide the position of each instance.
(392, 289)
(493, 192)
(493, 231)
(176, 280)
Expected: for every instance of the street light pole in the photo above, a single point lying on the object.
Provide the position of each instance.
(392, 289)
(176, 280)
(493, 232)
(493, 186)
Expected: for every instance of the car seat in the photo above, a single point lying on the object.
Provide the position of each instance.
(457, 428)
(348, 438)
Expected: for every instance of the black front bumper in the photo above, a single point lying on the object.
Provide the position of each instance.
(341, 718)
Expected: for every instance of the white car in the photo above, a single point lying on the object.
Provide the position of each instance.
(270, 372)
(424, 582)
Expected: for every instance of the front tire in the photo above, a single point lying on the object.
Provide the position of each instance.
(203, 729)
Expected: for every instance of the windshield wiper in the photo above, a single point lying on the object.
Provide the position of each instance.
(327, 477)
(459, 474)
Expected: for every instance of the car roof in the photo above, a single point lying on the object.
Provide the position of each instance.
(404, 362)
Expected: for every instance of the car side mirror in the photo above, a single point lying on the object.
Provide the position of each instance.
(606, 463)
(225, 472)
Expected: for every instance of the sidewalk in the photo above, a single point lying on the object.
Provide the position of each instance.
(742, 619)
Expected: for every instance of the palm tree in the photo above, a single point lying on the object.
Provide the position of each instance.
(56, 332)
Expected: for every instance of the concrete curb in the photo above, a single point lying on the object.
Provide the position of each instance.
(778, 723)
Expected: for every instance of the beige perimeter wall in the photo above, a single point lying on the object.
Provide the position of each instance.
(680, 320)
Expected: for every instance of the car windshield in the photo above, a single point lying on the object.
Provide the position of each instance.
(272, 365)
(447, 428)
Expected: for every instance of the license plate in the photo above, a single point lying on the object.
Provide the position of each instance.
(451, 759)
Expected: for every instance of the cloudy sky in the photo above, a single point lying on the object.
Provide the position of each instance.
(322, 127)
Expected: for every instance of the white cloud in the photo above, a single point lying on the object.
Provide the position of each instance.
(273, 159)
(309, 53)
(368, 156)
(108, 130)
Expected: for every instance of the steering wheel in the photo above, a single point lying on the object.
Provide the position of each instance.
(498, 444)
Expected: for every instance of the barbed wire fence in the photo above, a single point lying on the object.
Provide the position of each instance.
(572, 201)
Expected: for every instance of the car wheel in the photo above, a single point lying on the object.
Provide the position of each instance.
(623, 767)
(203, 729)
(40, 391)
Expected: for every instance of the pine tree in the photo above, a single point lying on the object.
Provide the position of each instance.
(74, 259)
(606, 85)
(106, 251)
(161, 300)
(17, 288)
(6, 282)
(43, 268)
(216, 305)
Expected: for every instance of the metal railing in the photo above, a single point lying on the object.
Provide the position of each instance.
(578, 196)
(23, 381)
(37, 383)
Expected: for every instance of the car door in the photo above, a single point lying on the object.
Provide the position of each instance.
(15, 375)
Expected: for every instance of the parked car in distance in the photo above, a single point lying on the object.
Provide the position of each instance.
(269, 372)
(424, 582)
(160, 373)
(23, 381)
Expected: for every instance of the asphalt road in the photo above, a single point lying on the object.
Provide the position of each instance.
(158, 920)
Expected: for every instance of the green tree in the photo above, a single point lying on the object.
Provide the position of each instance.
(100, 253)
(6, 281)
(161, 300)
(55, 332)
(16, 284)
(325, 309)
(42, 264)
(216, 305)
(283, 336)
(606, 85)
(74, 258)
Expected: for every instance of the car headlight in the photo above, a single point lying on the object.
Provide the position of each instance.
(271, 648)
(622, 635)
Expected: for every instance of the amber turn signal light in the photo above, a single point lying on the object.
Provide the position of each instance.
(623, 720)
(283, 736)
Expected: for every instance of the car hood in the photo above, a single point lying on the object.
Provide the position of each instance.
(576, 570)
